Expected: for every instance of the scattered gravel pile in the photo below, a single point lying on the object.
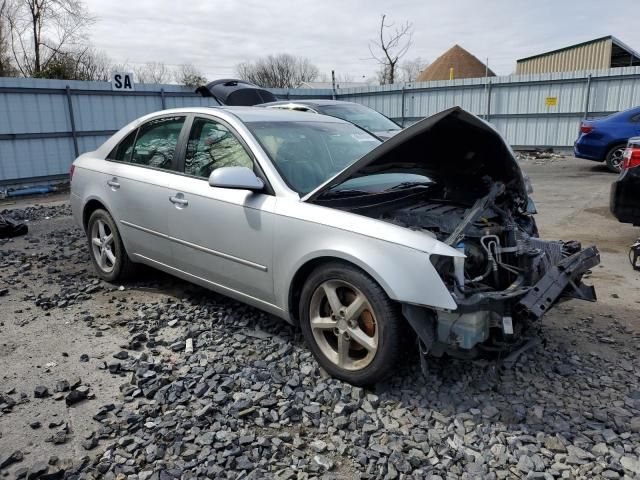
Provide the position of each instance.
(37, 212)
(213, 388)
(61, 258)
(252, 399)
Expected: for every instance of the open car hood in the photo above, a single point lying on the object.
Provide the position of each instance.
(453, 143)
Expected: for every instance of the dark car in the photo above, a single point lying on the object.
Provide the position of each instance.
(605, 139)
(364, 117)
(625, 191)
(233, 92)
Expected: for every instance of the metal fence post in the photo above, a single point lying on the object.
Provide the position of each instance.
(586, 96)
(73, 122)
(488, 115)
(403, 105)
(164, 104)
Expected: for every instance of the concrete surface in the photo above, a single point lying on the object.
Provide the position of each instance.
(572, 196)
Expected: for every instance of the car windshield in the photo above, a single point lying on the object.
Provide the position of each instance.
(308, 153)
(364, 117)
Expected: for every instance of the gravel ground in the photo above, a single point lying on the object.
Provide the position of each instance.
(98, 381)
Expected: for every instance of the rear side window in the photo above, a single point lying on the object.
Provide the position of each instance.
(122, 153)
(156, 142)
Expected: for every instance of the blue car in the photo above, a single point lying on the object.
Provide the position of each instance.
(605, 139)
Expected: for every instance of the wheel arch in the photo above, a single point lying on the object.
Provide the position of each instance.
(91, 206)
(613, 144)
(304, 270)
(405, 275)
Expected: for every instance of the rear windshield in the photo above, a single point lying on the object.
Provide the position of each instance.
(632, 115)
(309, 153)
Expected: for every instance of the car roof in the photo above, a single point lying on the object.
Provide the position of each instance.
(319, 102)
(257, 114)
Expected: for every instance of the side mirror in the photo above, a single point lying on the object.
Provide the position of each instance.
(239, 178)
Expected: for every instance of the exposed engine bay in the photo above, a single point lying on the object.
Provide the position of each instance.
(471, 196)
(508, 278)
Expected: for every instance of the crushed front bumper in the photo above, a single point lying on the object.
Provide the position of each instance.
(496, 320)
(563, 279)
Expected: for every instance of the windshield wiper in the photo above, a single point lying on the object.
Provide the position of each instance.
(407, 185)
(345, 193)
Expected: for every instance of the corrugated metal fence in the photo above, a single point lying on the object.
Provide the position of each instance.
(541, 110)
(45, 123)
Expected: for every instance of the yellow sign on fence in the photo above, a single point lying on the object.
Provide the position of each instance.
(551, 101)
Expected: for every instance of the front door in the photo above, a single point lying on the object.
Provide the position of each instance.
(223, 236)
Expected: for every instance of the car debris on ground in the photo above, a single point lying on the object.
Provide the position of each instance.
(251, 401)
(11, 228)
(538, 156)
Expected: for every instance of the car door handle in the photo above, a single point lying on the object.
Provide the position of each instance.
(179, 201)
(113, 183)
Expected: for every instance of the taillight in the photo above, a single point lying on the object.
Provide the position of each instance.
(72, 169)
(586, 128)
(631, 158)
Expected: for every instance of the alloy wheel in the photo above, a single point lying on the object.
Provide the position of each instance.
(103, 246)
(343, 324)
(617, 157)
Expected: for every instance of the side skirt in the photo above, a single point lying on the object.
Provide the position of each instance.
(203, 282)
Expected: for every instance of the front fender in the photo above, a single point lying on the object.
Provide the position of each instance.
(406, 274)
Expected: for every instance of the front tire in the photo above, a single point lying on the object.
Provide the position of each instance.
(106, 249)
(350, 324)
(614, 158)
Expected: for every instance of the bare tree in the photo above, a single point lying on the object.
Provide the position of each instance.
(152, 72)
(410, 69)
(6, 66)
(390, 46)
(382, 75)
(279, 71)
(189, 76)
(85, 64)
(94, 65)
(341, 78)
(42, 30)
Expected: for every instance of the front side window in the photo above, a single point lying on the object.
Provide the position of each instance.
(212, 145)
(156, 142)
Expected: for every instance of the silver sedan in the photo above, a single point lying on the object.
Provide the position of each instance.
(362, 244)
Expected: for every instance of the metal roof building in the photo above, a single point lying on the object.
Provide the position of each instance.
(599, 53)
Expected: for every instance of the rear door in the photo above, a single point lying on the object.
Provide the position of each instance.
(138, 176)
(223, 236)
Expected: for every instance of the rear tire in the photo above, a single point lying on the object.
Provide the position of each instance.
(106, 249)
(351, 326)
(614, 158)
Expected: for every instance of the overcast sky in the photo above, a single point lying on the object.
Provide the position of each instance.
(215, 35)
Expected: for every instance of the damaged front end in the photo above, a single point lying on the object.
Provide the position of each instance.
(508, 279)
(466, 189)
